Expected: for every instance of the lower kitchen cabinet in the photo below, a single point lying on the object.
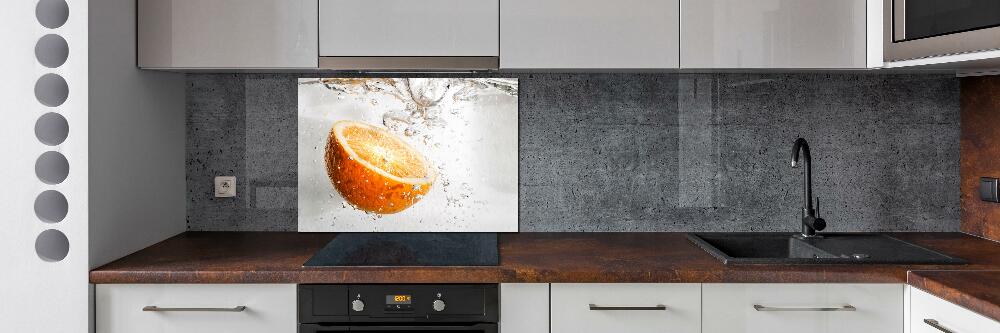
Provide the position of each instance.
(817, 308)
(196, 308)
(930, 314)
(626, 307)
(524, 308)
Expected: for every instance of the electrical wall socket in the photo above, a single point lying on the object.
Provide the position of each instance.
(225, 187)
(988, 189)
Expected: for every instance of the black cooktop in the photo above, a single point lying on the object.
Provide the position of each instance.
(409, 249)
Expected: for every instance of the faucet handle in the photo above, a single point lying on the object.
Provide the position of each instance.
(817, 206)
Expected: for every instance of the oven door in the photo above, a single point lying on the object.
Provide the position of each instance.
(926, 28)
(474, 328)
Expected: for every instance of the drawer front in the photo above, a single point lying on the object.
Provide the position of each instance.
(269, 308)
(571, 310)
(946, 315)
(730, 308)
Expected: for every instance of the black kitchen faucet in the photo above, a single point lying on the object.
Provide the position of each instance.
(810, 221)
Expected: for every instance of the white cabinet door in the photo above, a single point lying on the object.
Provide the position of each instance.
(927, 310)
(589, 34)
(269, 308)
(227, 33)
(773, 34)
(524, 308)
(408, 28)
(777, 308)
(625, 307)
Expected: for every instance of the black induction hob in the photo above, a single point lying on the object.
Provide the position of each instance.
(408, 249)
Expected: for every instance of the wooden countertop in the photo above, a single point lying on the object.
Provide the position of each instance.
(277, 257)
(978, 291)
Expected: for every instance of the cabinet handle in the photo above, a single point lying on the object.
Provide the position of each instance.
(240, 308)
(935, 324)
(594, 307)
(848, 307)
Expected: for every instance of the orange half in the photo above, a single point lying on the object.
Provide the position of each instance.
(375, 170)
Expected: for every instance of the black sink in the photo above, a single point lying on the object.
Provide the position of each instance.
(786, 248)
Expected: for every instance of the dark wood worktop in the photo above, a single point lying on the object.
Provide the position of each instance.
(277, 257)
(978, 291)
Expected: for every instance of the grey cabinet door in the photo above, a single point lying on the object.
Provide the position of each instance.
(408, 28)
(228, 33)
(585, 34)
(773, 34)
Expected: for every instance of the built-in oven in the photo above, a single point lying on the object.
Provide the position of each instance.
(386, 308)
(928, 28)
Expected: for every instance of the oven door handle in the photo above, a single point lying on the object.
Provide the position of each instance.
(315, 328)
(481, 327)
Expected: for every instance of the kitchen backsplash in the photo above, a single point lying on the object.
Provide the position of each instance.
(639, 152)
(981, 144)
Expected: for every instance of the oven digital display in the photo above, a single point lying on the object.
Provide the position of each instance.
(398, 299)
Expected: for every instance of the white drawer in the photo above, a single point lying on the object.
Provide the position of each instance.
(270, 308)
(730, 308)
(571, 311)
(949, 316)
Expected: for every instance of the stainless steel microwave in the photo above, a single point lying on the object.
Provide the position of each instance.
(929, 28)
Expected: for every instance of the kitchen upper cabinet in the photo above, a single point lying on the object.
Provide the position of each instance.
(196, 308)
(626, 307)
(930, 314)
(192, 34)
(775, 34)
(817, 308)
(407, 28)
(589, 34)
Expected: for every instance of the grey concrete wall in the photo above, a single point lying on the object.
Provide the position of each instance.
(640, 152)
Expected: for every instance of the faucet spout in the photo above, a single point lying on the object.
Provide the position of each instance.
(810, 222)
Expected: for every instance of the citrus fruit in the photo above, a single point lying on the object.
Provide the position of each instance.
(375, 170)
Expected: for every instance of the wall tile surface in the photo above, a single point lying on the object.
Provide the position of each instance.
(640, 152)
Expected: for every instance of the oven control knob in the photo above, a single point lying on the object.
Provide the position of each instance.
(358, 305)
(438, 305)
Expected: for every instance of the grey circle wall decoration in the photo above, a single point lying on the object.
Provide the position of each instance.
(51, 129)
(52, 13)
(52, 245)
(52, 167)
(51, 50)
(51, 206)
(51, 90)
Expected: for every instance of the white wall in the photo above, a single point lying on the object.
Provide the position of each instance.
(137, 187)
(126, 135)
(38, 295)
